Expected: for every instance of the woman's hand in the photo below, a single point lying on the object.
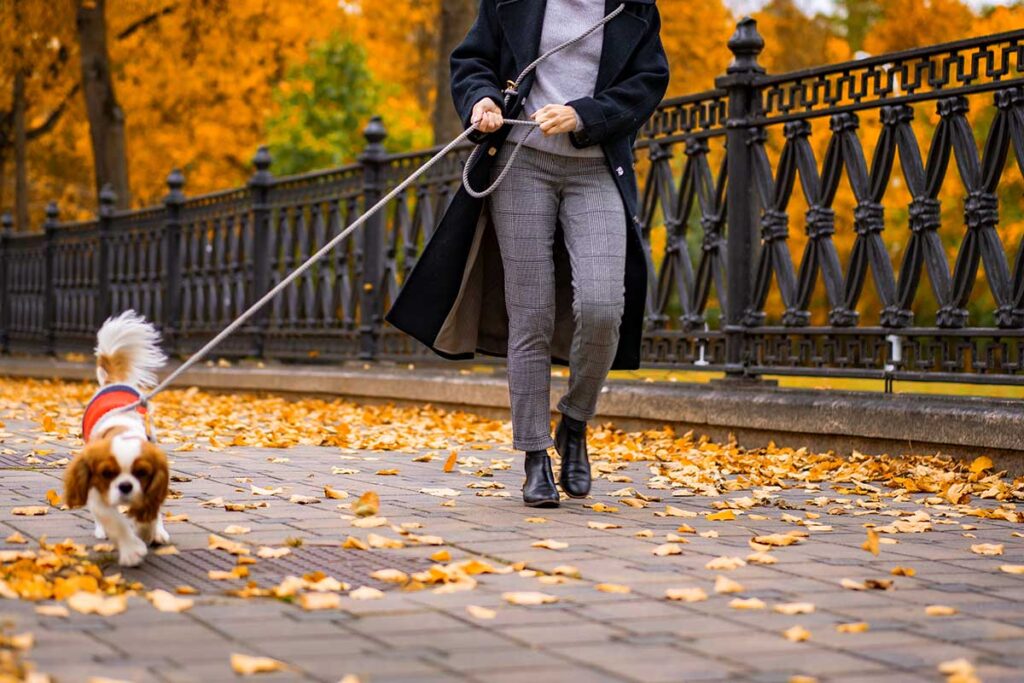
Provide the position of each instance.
(555, 119)
(486, 116)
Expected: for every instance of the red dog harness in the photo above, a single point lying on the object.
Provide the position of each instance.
(107, 399)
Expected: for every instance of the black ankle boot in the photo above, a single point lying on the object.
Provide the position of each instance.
(539, 490)
(571, 444)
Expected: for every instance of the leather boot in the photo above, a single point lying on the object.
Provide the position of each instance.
(571, 444)
(539, 490)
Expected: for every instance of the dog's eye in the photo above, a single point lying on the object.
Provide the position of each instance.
(141, 472)
(108, 473)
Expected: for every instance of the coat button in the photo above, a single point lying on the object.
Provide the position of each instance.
(619, 170)
(492, 151)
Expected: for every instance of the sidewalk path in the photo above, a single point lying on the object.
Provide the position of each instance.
(593, 631)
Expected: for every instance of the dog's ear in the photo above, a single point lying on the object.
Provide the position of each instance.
(78, 479)
(156, 491)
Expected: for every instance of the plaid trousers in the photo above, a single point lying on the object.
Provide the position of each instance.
(578, 192)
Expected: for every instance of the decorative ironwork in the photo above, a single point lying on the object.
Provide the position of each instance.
(722, 174)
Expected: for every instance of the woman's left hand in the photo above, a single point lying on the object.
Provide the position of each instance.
(555, 119)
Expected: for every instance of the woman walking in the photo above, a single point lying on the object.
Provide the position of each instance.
(550, 268)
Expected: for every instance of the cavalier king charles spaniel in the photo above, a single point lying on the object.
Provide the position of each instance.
(120, 474)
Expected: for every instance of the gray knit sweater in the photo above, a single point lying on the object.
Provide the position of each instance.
(567, 75)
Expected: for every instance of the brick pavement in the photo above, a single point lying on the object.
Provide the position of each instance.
(588, 635)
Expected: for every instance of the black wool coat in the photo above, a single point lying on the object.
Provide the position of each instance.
(453, 300)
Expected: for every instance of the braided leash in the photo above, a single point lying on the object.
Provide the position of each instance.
(509, 93)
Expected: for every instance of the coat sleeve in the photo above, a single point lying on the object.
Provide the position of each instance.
(475, 64)
(623, 108)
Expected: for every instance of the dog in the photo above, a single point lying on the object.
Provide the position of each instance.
(119, 467)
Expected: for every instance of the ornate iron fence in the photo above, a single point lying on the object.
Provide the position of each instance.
(720, 174)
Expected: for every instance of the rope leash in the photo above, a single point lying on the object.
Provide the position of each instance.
(509, 92)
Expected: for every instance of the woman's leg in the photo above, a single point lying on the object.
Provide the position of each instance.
(594, 223)
(524, 209)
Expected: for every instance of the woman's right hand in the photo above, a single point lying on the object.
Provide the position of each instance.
(486, 116)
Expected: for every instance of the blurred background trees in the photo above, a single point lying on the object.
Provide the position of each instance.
(120, 91)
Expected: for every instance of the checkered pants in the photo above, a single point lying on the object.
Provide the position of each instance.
(579, 193)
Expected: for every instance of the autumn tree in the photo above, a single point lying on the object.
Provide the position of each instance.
(322, 106)
(456, 16)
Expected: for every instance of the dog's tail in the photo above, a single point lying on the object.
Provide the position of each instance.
(128, 351)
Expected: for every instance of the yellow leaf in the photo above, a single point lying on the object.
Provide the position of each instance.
(318, 601)
(17, 538)
(727, 585)
(940, 610)
(666, 549)
(871, 545)
(334, 494)
(528, 598)
(761, 558)
(390, 576)
(449, 464)
(94, 603)
(797, 634)
(236, 530)
(903, 571)
(853, 627)
(686, 594)
(52, 611)
(601, 507)
(168, 602)
(441, 556)
(980, 464)
(612, 588)
(550, 544)
(367, 505)
(603, 526)
(53, 498)
(30, 511)
(353, 543)
(246, 665)
(480, 612)
(365, 593)
(268, 553)
(1012, 568)
(215, 542)
(186, 590)
(723, 516)
(378, 541)
(725, 563)
(566, 570)
(777, 540)
(747, 603)
(987, 549)
(791, 608)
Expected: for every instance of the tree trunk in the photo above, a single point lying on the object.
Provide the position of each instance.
(455, 20)
(21, 219)
(106, 118)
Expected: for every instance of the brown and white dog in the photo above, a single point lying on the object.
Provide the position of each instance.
(119, 468)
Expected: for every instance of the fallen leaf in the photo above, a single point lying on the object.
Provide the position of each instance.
(30, 511)
(16, 538)
(53, 498)
(791, 608)
(365, 593)
(903, 571)
(853, 627)
(334, 494)
(727, 585)
(353, 543)
(535, 520)
(236, 530)
(725, 563)
(1012, 568)
(94, 603)
(777, 540)
(666, 549)
(388, 472)
(52, 611)
(871, 545)
(480, 612)
(441, 556)
(761, 558)
(312, 602)
(980, 464)
(747, 603)
(449, 464)
(441, 493)
(797, 634)
(550, 544)
(168, 602)
(723, 516)
(257, 491)
(686, 594)
(987, 549)
(267, 553)
(247, 665)
(566, 570)
(215, 542)
(603, 526)
(390, 576)
(940, 610)
(612, 588)
(367, 505)
(528, 598)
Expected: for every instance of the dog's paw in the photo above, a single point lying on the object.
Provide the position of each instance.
(99, 532)
(131, 553)
(160, 536)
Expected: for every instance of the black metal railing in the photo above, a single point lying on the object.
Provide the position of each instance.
(723, 173)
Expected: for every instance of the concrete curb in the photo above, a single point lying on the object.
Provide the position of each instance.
(839, 421)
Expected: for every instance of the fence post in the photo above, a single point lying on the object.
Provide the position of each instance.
(372, 240)
(6, 228)
(173, 202)
(740, 83)
(104, 225)
(260, 185)
(50, 279)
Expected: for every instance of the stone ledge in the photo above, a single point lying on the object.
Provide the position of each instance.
(833, 420)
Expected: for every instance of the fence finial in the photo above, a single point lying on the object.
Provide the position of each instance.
(375, 134)
(746, 44)
(107, 200)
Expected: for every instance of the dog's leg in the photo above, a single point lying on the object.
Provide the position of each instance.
(99, 532)
(130, 547)
(153, 532)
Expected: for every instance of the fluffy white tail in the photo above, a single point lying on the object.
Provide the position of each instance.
(128, 351)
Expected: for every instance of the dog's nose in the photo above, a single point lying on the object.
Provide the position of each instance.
(125, 487)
